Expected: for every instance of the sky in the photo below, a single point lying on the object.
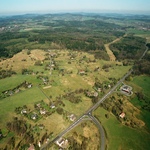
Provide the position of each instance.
(41, 6)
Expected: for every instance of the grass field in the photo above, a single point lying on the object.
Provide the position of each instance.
(120, 137)
(143, 83)
(54, 123)
(12, 82)
(8, 105)
(79, 108)
(22, 60)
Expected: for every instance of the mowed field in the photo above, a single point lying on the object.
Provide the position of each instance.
(109, 51)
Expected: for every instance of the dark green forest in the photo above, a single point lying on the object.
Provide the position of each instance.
(57, 32)
(129, 47)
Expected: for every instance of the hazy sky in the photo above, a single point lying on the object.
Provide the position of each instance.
(16, 6)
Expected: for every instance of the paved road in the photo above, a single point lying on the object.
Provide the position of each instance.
(109, 93)
(89, 113)
(101, 130)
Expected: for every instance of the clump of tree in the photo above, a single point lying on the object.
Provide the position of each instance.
(1, 134)
(101, 54)
(38, 63)
(17, 126)
(73, 97)
(106, 66)
(6, 73)
(143, 100)
(59, 110)
(117, 106)
(26, 71)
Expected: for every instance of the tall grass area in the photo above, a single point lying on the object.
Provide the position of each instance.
(121, 137)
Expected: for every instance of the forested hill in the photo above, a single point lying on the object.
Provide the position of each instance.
(76, 32)
(83, 32)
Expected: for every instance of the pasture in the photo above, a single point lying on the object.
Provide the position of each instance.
(120, 136)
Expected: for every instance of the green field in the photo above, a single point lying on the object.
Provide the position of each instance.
(143, 83)
(8, 105)
(120, 137)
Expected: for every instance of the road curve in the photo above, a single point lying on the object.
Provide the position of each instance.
(101, 130)
(88, 112)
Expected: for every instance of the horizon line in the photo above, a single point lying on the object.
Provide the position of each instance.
(129, 12)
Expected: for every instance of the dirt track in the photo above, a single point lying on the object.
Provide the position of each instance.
(108, 50)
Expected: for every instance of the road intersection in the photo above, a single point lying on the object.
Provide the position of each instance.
(90, 110)
(89, 113)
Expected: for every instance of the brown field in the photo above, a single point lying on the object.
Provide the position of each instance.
(91, 135)
(22, 60)
(108, 50)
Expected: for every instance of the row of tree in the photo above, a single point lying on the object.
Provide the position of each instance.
(6, 73)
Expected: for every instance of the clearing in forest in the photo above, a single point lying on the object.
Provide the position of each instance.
(108, 50)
